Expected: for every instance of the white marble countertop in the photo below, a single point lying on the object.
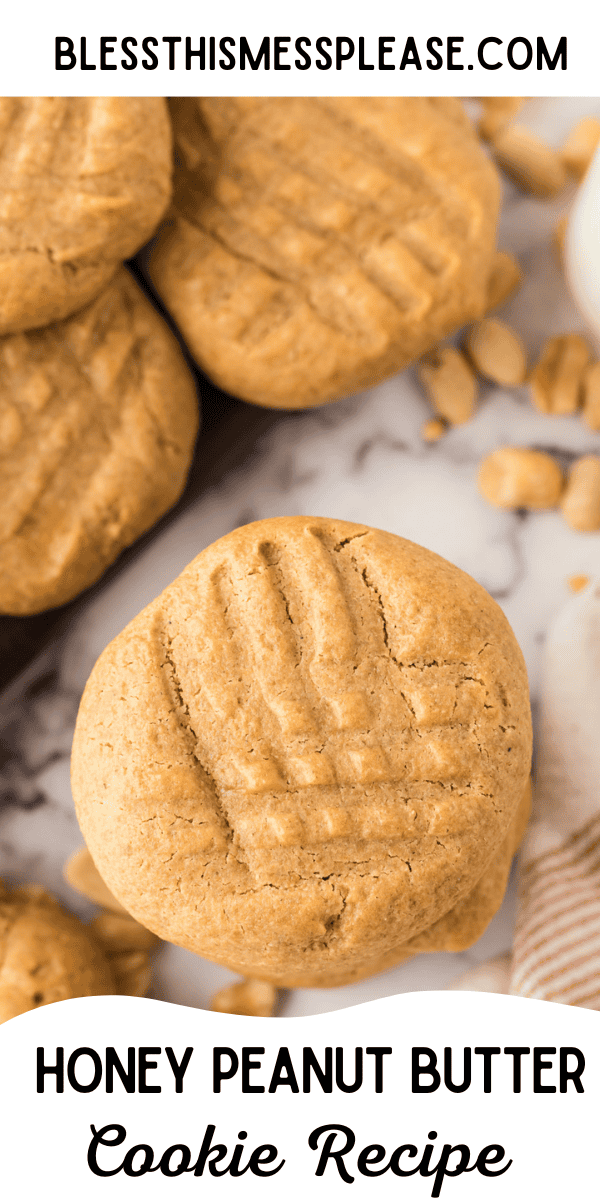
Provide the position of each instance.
(362, 460)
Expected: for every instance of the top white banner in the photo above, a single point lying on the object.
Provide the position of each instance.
(319, 47)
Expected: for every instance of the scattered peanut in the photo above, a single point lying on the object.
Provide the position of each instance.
(581, 145)
(578, 582)
(122, 934)
(497, 111)
(515, 477)
(559, 235)
(132, 973)
(433, 430)
(251, 998)
(530, 162)
(556, 380)
(505, 278)
(497, 351)
(83, 875)
(450, 384)
(590, 390)
(580, 502)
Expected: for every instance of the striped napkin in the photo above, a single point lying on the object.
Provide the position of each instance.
(556, 952)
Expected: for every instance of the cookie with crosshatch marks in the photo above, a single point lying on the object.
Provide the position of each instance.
(84, 181)
(98, 417)
(307, 752)
(318, 245)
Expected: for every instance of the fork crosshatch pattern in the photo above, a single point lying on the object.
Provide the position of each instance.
(306, 751)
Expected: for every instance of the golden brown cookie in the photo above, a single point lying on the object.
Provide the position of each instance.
(317, 246)
(46, 954)
(84, 181)
(98, 417)
(305, 752)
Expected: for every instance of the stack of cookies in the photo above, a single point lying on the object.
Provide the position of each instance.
(308, 759)
(98, 411)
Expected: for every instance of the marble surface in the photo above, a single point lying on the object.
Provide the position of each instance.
(364, 460)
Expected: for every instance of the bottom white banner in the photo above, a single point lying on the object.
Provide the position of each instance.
(424, 1094)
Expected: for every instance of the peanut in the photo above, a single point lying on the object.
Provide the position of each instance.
(559, 235)
(506, 276)
(433, 430)
(121, 934)
(591, 396)
(581, 145)
(497, 351)
(578, 582)
(251, 998)
(556, 380)
(497, 112)
(83, 875)
(530, 162)
(450, 384)
(580, 503)
(132, 973)
(515, 477)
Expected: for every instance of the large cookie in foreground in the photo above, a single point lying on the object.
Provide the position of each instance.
(84, 181)
(305, 752)
(98, 418)
(317, 246)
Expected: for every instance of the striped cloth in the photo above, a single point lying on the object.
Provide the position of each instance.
(557, 940)
(556, 953)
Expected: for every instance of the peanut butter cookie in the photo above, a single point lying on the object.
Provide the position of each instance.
(46, 954)
(98, 416)
(317, 246)
(84, 181)
(306, 752)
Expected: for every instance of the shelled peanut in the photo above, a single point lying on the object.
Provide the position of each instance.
(125, 942)
(450, 384)
(127, 945)
(515, 477)
(250, 998)
(557, 379)
(580, 502)
(496, 112)
(497, 352)
(505, 277)
(581, 145)
(529, 161)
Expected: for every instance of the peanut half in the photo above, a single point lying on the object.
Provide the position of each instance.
(497, 351)
(497, 111)
(581, 145)
(580, 502)
(557, 379)
(505, 277)
(83, 875)
(529, 161)
(590, 390)
(516, 477)
(450, 384)
(127, 946)
(250, 998)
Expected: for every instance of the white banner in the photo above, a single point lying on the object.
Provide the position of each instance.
(453, 1094)
(316, 48)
